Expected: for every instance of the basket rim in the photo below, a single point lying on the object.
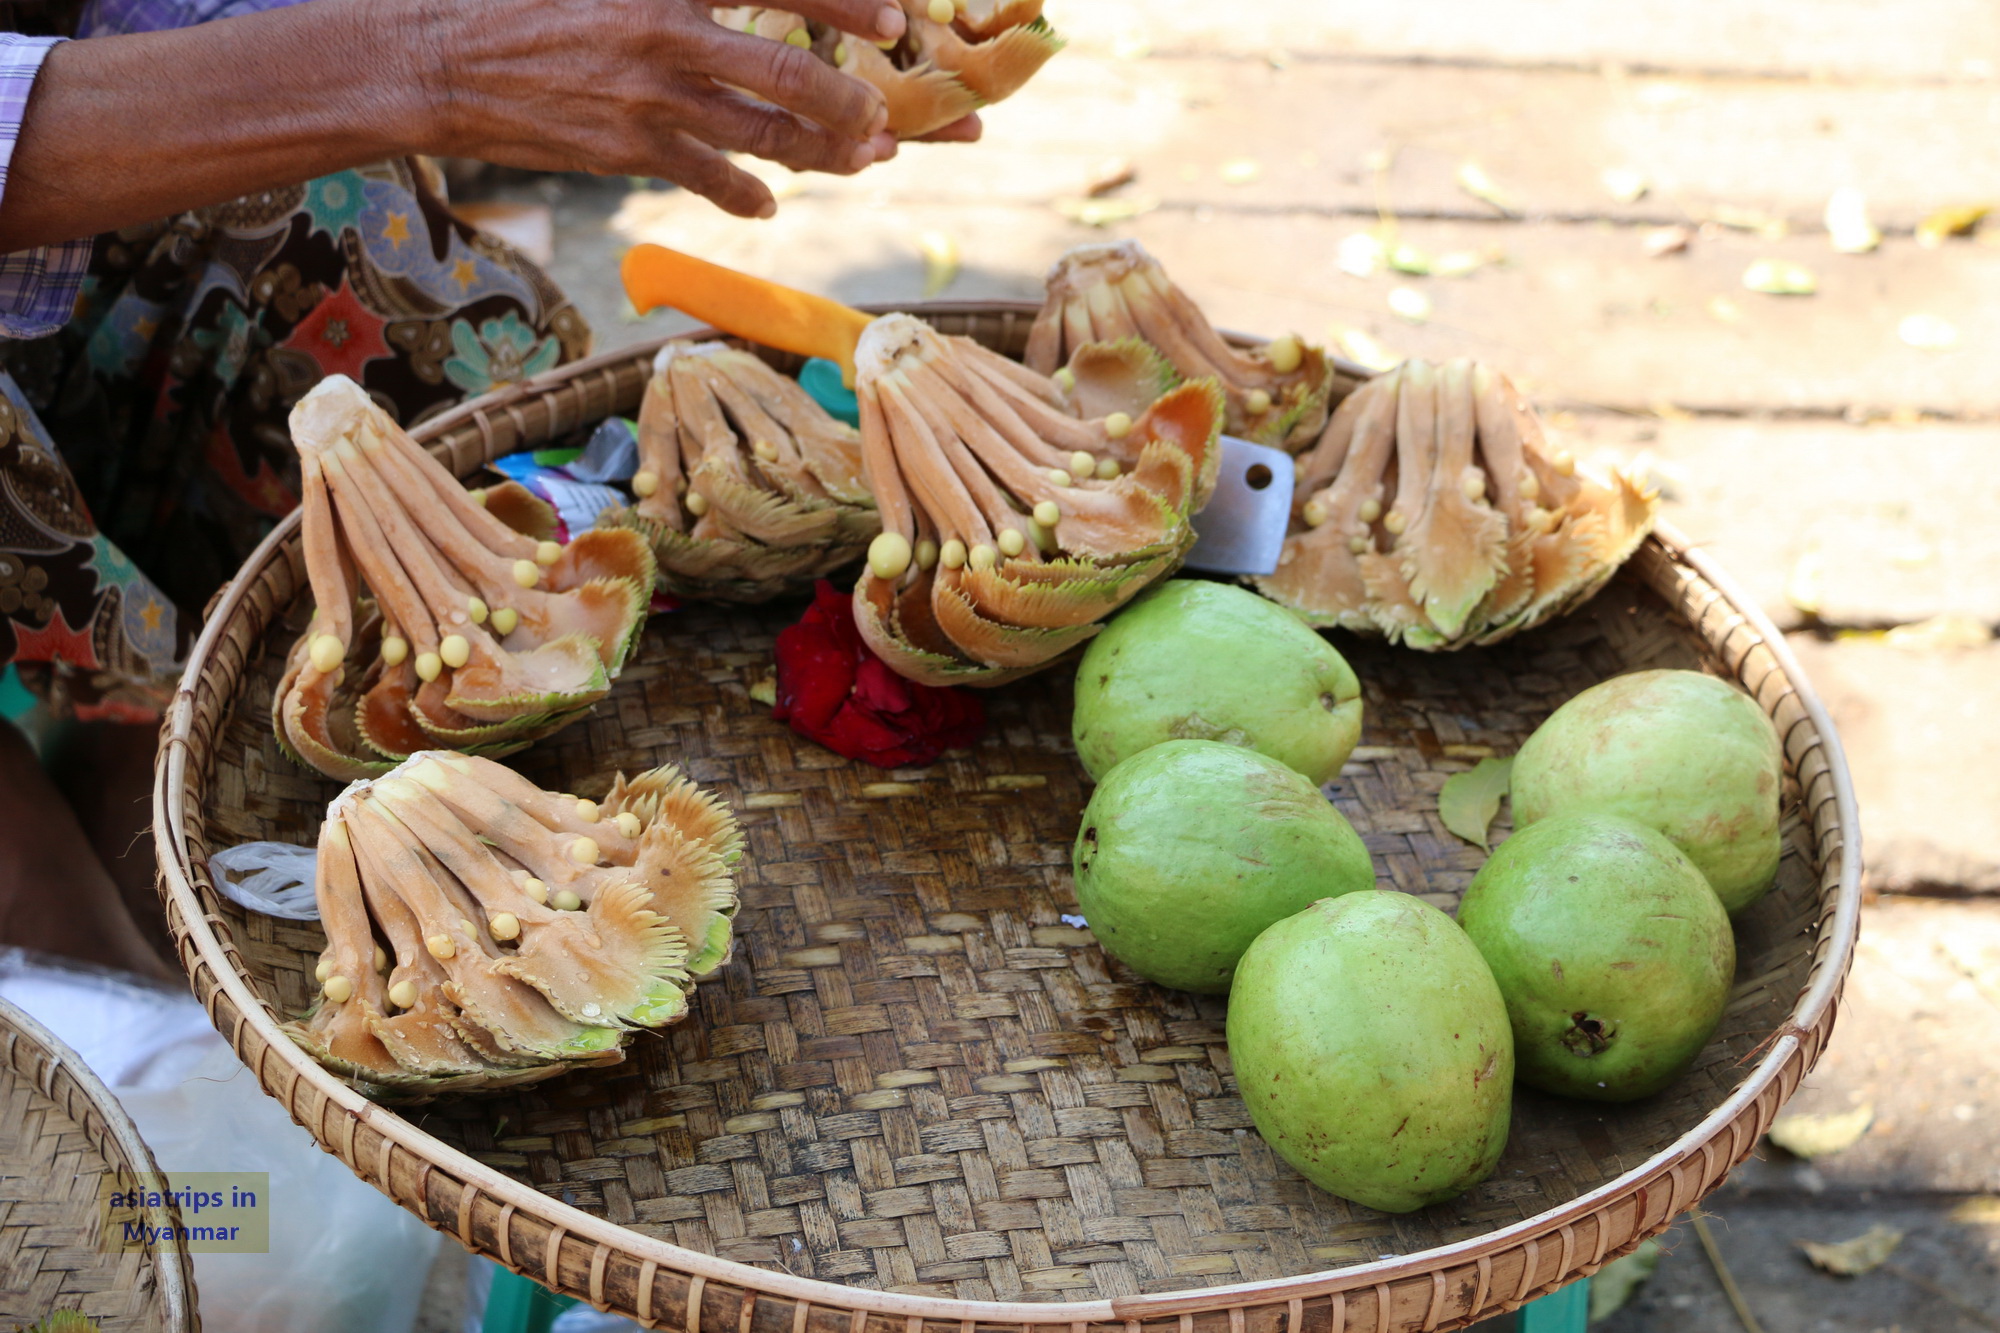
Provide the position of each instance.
(173, 1275)
(1834, 950)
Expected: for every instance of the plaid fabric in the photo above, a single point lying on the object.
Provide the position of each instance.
(37, 287)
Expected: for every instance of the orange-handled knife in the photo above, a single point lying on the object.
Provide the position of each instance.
(764, 312)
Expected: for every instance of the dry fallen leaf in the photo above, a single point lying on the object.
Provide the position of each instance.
(1104, 212)
(1954, 221)
(1851, 1258)
(1410, 303)
(1945, 631)
(1847, 224)
(1468, 801)
(1361, 347)
(1362, 254)
(1749, 219)
(1472, 179)
(1928, 333)
(1627, 185)
(1666, 241)
(1779, 277)
(1811, 1136)
(1109, 176)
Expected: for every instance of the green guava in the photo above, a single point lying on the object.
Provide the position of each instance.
(1613, 953)
(1188, 850)
(1372, 1048)
(1689, 755)
(1193, 660)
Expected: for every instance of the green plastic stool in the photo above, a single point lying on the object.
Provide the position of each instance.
(518, 1305)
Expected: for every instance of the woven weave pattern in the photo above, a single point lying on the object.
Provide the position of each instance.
(917, 1074)
(58, 1151)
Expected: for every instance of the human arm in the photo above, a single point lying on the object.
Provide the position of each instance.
(120, 130)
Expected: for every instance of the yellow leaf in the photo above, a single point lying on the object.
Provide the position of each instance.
(1410, 303)
(1778, 277)
(940, 253)
(1812, 1136)
(1627, 185)
(1104, 212)
(1954, 221)
(1847, 224)
(1851, 1258)
(1362, 254)
(1242, 171)
(1472, 179)
(1928, 333)
(1360, 347)
(1468, 801)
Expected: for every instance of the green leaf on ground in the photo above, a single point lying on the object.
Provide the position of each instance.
(1469, 801)
(1612, 1285)
(1812, 1136)
(1851, 1258)
(1472, 178)
(1778, 277)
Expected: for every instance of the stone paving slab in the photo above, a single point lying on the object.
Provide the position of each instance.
(1948, 1246)
(1914, 1041)
(1575, 313)
(1546, 136)
(1917, 39)
(1866, 526)
(1923, 736)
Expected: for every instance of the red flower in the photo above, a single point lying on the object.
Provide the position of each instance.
(833, 690)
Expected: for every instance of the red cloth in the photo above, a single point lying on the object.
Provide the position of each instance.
(834, 690)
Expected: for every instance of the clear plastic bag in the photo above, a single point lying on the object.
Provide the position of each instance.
(343, 1259)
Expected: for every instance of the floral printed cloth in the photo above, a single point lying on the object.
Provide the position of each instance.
(144, 447)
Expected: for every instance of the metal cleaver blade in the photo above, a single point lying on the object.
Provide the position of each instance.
(1242, 528)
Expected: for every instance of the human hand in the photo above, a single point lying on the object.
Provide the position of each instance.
(646, 88)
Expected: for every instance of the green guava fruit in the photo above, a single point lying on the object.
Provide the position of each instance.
(1689, 755)
(1373, 1050)
(1188, 850)
(1193, 660)
(1614, 955)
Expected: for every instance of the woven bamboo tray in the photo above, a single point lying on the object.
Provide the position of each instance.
(62, 1134)
(919, 1097)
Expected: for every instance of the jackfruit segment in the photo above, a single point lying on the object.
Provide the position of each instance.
(985, 468)
(952, 59)
(747, 487)
(481, 634)
(483, 932)
(1431, 512)
(1277, 394)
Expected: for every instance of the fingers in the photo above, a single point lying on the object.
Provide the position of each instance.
(800, 82)
(966, 129)
(870, 19)
(736, 124)
(695, 166)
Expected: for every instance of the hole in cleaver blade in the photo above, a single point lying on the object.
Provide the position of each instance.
(1242, 529)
